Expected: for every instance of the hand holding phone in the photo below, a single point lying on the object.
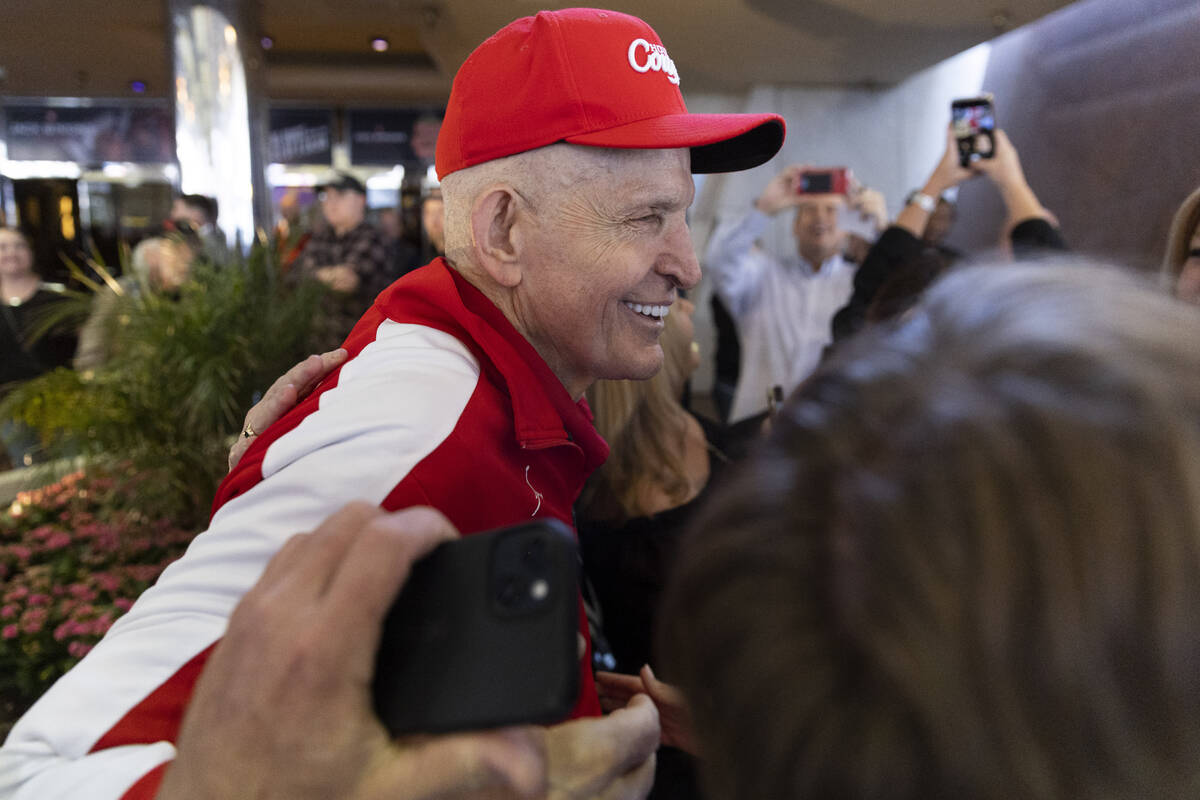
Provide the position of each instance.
(974, 122)
(830, 180)
(483, 634)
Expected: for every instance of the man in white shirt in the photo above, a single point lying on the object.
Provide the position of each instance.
(783, 307)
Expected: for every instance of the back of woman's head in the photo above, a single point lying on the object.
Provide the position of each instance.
(966, 563)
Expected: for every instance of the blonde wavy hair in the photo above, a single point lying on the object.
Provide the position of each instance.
(645, 425)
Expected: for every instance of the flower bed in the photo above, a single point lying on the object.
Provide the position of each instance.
(74, 556)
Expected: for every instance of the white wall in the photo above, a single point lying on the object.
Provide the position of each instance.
(891, 138)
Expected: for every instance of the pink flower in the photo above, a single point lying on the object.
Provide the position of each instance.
(9, 611)
(106, 581)
(123, 603)
(33, 620)
(145, 572)
(62, 631)
(78, 649)
(82, 591)
(19, 593)
(39, 599)
(74, 627)
(42, 532)
(58, 541)
(22, 552)
(9, 632)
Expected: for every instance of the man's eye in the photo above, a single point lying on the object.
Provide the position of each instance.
(650, 219)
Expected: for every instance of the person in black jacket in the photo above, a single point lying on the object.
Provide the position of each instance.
(901, 264)
(27, 348)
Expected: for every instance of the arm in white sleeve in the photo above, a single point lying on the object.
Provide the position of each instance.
(734, 263)
(114, 717)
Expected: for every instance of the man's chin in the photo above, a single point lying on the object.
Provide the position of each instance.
(640, 371)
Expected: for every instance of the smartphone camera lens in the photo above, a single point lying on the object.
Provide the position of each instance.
(509, 593)
(539, 590)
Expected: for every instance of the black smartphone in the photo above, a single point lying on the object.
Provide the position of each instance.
(484, 634)
(974, 121)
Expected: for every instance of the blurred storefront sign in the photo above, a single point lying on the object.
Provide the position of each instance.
(300, 136)
(90, 135)
(387, 136)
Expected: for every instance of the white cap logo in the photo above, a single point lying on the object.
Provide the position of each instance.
(652, 57)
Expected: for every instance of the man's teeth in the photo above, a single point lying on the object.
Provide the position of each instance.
(655, 312)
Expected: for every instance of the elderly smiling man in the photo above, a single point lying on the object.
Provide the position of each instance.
(566, 158)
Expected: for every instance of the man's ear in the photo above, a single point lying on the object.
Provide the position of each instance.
(493, 234)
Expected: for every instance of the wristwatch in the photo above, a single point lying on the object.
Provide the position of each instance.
(921, 200)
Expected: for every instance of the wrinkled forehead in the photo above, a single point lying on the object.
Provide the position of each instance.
(655, 176)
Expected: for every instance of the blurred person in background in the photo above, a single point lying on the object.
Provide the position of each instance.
(291, 230)
(908, 255)
(782, 307)
(200, 213)
(433, 222)
(27, 347)
(632, 512)
(349, 255)
(160, 264)
(406, 256)
(965, 564)
(1181, 266)
(632, 509)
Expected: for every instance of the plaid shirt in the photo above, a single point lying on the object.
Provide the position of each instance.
(371, 258)
(362, 248)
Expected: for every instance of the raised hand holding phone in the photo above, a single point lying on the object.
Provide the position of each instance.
(780, 191)
(974, 123)
(827, 180)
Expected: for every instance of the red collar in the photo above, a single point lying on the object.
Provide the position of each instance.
(544, 415)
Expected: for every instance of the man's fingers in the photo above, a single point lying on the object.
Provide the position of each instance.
(617, 684)
(615, 690)
(635, 784)
(661, 693)
(378, 561)
(278, 401)
(636, 728)
(315, 368)
(507, 763)
(304, 376)
(610, 703)
(237, 451)
(322, 551)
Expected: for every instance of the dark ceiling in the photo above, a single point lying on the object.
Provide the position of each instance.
(321, 48)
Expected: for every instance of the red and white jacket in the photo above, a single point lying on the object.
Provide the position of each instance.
(442, 403)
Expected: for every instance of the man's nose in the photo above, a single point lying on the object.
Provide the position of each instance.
(680, 262)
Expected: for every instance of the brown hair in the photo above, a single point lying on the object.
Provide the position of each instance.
(966, 562)
(1179, 240)
(644, 425)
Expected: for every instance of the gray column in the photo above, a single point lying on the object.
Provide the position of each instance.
(220, 111)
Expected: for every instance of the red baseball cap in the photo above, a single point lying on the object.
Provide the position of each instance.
(590, 77)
